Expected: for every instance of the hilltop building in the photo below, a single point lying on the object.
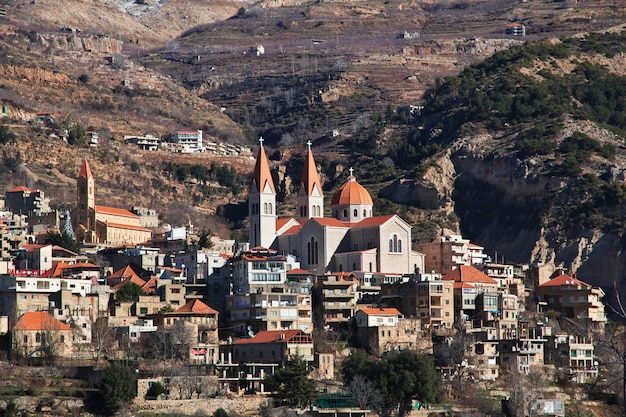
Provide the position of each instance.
(101, 224)
(353, 239)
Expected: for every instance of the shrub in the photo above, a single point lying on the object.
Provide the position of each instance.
(156, 389)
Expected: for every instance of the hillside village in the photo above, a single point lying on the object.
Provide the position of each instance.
(302, 287)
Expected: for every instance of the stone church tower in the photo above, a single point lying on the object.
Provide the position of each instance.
(86, 197)
(262, 203)
(310, 199)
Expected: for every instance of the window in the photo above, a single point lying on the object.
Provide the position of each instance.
(364, 213)
(25, 339)
(355, 213)
(370, 267)
(395, 244)
(143, 310)
(345, 213)
(38, 337)
(63, 338)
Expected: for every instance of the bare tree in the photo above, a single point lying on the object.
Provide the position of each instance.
(366, 393)
(102, 339)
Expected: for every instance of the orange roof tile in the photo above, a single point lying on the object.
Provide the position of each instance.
(134, 280)
(269, 336)
(329, 221)
(115, 211)
(127, 226)
(463, 285)
(31, 247)
(564, 281)
(21, 189)
(351, 192)
(81, 265)
(262, 175)
(196, 306)
(281, 222)
(124, 273)
(150, 286)
(85, 172)
(467, 273)
(292, 230)
(299, 271)
(381, 311)
(309, 178)
(39, 320)
(374, 221)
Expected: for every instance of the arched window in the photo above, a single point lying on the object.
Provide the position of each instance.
(316, 254)
(336, 214)
(354, 266)
(271, 210)
(38, 337)
(395, 244)
(371, 267)
(340, 268)
(345, 213)
(356, 213)
(364, 213)
(264, 208)
(255, 241)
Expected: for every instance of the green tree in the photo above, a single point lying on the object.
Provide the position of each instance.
(155, 390)
(63, 239)
(129, 292)
(406, 376)
(118, 388)
(6, 135)
(292, 385)
(220, 412)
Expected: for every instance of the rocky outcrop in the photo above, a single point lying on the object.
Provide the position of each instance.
(102, 44)
(474, 46)
(432, 191)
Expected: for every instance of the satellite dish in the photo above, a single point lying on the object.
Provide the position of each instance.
(250, 332)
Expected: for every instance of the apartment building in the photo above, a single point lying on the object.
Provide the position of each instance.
(446, 253)
(338, 295)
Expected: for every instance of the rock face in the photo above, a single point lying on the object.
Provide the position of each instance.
(505, 204)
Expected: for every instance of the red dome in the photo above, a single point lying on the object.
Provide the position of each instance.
(352, 193)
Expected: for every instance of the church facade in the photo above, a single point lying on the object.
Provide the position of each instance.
(353, 239)
(101, 224)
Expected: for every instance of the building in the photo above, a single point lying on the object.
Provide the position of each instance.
(337, 296)
(447, 252)
(102, 224)
(385, 329)
(146, 142)
(352, 240)
(38, 334)
(187, 141)
(515, 29)
(574, 299)
(23, 200)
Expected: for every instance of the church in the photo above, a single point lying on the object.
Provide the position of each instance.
(353, 239)
(104, 225)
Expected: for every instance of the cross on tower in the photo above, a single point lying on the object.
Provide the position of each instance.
(261, 141)
(308, 144)
(351, 171)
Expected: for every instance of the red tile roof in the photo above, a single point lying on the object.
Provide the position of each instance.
(292, 230)
(85, 172)
(299, 271)
(83, 265)
(463, 285)
(125, 272)
(21, 189)
(351, 192)
(150, 286)
(196, 306)
(281, 222)
(374, 221)
(31, 247)
(563, 281)
(39, 320)
(467, 273)
(381, 311)
(329, 221)
(269, 336)
(135, 280)
(115, 211)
